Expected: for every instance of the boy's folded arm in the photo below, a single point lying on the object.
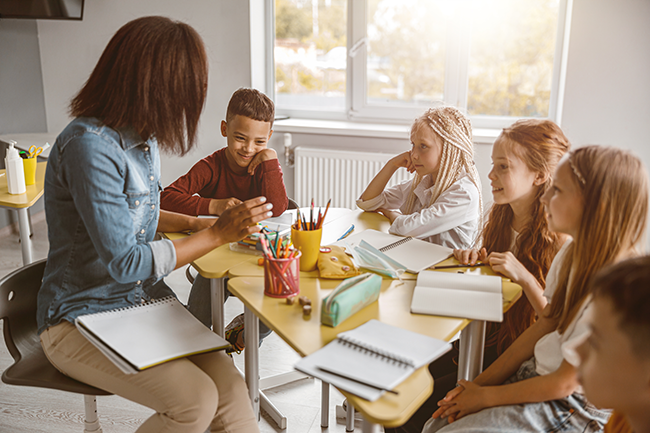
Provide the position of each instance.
(176, 201)
(180, 195)
(268, 177)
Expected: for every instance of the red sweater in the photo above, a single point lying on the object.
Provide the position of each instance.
(211, 178)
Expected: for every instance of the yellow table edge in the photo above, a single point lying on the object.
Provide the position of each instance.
(30, 196)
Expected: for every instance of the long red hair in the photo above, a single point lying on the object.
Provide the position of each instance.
(540, 144)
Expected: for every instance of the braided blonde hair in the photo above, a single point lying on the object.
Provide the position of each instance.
(455, 131)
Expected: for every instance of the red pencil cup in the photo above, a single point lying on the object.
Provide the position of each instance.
(282, 276)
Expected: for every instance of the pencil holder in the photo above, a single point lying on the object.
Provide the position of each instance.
(29, 164)
(308, 242)
(282, 276)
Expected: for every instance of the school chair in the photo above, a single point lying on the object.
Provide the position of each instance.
(18, 292)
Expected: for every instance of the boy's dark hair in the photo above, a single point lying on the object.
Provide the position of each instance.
(251, 103)
(152, 76)
(627, 286)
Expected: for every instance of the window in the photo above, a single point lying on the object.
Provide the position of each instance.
(388, 60)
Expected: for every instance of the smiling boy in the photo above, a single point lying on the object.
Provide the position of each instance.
(244, 169)
(615, 359)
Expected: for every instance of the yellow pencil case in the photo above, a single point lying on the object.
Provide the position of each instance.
(335, 264)
(349, 297)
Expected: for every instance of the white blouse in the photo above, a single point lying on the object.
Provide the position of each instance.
(452, 221)
(554, 347)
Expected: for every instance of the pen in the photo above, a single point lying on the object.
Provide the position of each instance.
(328, 371)
(459, 266)
(347, 233)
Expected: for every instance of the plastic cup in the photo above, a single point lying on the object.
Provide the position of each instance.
(308, 242)
(282, 276)
(29, 164)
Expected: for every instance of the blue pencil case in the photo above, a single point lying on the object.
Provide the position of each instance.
(349, 297)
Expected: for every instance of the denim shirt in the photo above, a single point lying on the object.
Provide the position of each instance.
(102, 194)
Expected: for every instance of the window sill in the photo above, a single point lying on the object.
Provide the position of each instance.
(357, 129)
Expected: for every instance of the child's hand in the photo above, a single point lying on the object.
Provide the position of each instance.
(219, 206)
(390, 214)
(508, 265)
(470, 257)
(263, 155)
(470, 399)
(403, 160)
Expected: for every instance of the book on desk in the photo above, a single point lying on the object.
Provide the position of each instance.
(372, 359)
(142, 336)
(477, 297)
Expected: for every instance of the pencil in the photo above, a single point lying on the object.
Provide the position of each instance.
(311, 215)
(325, 213)
(459, 266)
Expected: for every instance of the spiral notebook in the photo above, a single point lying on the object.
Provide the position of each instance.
(143, 336)
(412, 254)
(372, 359)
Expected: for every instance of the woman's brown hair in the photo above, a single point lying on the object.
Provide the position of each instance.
(614, 187)
(152, 76)
(540, 144)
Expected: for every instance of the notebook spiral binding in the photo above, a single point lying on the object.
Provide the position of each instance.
(389, 357)
(395, 244)
(165, 300)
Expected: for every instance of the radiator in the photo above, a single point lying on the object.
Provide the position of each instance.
(341, 175)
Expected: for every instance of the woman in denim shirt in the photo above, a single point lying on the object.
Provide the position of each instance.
(102, 190)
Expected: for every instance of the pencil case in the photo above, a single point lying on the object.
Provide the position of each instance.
(349, 297)
(334, 264)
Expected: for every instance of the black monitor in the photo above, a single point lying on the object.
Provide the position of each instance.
(42, 9)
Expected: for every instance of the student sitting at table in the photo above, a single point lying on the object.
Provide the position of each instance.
(517, 236)
(244, 169)
(442, 203)
(533, 385)
(102, 204)
(614, 366)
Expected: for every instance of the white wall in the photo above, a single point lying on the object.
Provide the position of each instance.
(70, 49)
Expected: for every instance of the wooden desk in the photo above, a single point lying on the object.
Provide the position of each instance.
(20, 203)
(306, 335)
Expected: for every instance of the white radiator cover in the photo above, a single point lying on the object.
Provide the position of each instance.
(341, 175)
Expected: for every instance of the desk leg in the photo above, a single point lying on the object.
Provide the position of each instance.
(325, 405)
(251, 358)
(472, 342)
(25, 240)
(217, 298)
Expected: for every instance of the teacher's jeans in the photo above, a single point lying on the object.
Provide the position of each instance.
(189, 394)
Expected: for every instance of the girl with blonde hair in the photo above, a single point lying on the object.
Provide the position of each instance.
(599, 197)
(442, 203)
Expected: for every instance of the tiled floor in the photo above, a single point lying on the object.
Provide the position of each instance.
(32, 410)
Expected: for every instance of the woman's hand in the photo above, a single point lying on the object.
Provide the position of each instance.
(238, 222)
(219, 206)
(263, 155)
(470, 257)
(199, 224)
(403, 160)
(465, 399)
(390, 214)
(508, 265)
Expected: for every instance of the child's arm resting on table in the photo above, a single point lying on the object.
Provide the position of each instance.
(473, 398)
(180, 195)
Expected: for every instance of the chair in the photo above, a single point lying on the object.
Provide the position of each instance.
(18, 292)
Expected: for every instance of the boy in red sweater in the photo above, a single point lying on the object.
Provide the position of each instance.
(615, 359)
(244, 169)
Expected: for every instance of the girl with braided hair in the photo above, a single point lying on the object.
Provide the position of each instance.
(442, 203)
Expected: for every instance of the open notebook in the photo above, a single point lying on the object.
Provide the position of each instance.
(372, 358)
(476, 297)
(412, 254)
(142, 336)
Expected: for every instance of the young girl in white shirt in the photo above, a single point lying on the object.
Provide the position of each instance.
(599, 197)
(442, 203)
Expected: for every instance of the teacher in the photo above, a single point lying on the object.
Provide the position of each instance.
(102, 190)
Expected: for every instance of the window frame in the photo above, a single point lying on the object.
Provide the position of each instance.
(456, 73)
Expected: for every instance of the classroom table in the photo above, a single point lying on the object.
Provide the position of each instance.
(21, 203)
(306, 335)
